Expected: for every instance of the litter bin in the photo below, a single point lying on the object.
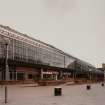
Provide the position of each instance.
(58, 91)
(88, 87)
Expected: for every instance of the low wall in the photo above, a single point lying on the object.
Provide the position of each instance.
(51, 83)
(17, 82)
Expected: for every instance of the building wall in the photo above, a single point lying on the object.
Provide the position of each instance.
(103, 66)
(23, 48)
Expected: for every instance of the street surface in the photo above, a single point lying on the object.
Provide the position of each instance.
(44, 95)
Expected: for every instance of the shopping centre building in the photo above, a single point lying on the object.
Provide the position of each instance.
(32, 59)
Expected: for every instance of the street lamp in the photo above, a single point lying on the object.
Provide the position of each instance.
(6, 42)
(6, 67)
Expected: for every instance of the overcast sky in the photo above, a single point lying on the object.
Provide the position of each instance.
(74, 26)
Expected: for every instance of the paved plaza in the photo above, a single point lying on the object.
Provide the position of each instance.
(44, 95)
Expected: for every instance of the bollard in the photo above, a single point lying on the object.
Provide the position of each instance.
(58, 91)
(5, 94)
(88, 87)
(102, 84)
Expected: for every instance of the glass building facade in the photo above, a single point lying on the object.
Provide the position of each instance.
(23, 48)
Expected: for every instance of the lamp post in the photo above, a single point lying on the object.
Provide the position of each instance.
(6, 42)
(6, 70)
